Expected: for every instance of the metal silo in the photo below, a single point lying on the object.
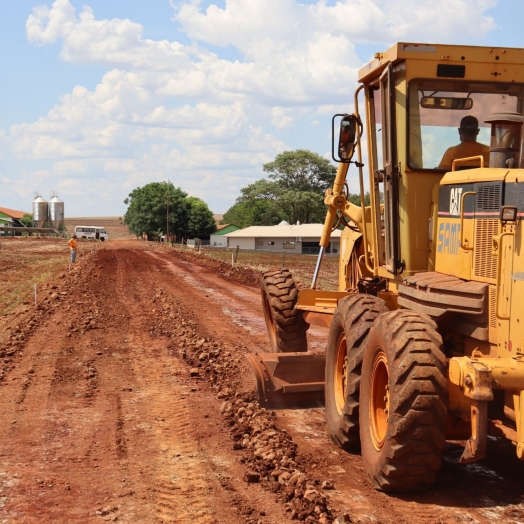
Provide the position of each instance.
(56, 212)
(40, 211)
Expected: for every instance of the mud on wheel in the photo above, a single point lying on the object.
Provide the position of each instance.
(285, 325)
(403, 402)
(352, 320)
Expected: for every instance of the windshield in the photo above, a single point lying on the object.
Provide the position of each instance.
(438, 129)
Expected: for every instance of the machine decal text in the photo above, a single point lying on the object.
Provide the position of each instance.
(455, 200)
(449, 238)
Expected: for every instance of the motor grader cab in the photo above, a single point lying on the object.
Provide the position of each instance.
(426, 330)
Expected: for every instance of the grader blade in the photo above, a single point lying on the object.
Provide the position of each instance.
(286, 379)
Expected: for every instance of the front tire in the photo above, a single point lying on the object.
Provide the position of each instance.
(403, 402)
(286, 326)
(352, 320)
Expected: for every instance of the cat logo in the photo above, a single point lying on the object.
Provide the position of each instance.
(455, 200)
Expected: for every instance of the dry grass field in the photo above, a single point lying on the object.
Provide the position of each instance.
(29, 261)
(25, 262)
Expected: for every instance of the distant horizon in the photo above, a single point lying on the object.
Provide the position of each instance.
(215, 215)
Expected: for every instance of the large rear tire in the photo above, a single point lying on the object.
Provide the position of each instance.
(403, 402)
(352, 320)
(286, 326)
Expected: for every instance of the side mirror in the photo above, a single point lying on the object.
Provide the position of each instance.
(347, 138)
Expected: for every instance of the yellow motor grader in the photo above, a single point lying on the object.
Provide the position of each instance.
(426, 330)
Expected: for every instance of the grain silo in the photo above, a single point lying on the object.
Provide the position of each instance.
(40, 211)
(56, 212)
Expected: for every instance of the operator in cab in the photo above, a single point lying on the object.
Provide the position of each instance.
(468, 131)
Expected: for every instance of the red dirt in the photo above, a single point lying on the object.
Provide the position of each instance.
(125, 396)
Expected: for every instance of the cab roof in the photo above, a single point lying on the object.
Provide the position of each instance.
(444, 54)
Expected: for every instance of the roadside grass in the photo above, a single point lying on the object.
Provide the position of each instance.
(24, 262)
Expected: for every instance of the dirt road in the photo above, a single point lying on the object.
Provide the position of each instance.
(125, 396)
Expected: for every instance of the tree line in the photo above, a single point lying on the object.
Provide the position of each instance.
(293, 191)
(160, 207)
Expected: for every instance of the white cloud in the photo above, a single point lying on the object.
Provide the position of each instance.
(184, 111)
(281, 117)
(111, 42)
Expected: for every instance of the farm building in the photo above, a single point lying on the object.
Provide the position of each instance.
(302, 238)
(10, 218)
(218, 239)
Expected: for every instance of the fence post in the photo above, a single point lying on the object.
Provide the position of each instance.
(236, 253)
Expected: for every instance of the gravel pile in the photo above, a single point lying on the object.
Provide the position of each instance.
(268, 452)
(17, 328)
(236, 273)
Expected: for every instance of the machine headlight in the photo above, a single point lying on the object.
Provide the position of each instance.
(508, 214)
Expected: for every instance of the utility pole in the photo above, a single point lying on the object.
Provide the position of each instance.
(167, 219)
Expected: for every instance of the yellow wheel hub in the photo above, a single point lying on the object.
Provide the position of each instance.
(379, 400)
(341, 365)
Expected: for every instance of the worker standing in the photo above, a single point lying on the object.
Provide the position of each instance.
(73, 246)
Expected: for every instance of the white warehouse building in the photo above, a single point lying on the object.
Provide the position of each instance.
(303, 238)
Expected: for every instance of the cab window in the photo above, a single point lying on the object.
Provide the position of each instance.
(437, 108)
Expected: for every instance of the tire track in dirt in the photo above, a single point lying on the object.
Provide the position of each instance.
(82, 447)
(440, 505)
(178, 469)
(184, 475)
(237, 303)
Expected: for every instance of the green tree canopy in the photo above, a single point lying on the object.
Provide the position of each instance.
(147, 211)
(254, 212)
(354, 198)
(27, 220)
(301, 170)
(293, 191)
(201, 220)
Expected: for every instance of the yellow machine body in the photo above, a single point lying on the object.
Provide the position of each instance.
(445, 241)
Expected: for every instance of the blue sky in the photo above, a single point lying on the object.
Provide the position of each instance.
(98, 97)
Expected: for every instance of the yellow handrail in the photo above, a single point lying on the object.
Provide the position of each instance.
(463, 160)
(499, 267)
(464, 195)
(367, 260)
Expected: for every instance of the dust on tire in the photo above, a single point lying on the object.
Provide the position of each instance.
(353, 318)
(286, 325)
(409, 456)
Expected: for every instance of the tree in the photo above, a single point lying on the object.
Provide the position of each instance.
(201, 220)
(294, 190)
(147, 211)
(253, 212)
(27, 220)
(302, 170)
(354, 198)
